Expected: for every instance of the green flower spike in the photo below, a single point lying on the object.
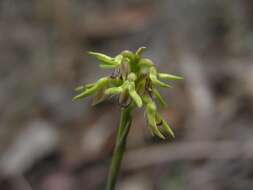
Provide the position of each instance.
(135, 82)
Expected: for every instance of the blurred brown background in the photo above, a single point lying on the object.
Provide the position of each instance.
(48, 142)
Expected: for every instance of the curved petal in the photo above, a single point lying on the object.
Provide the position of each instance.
(166, 76)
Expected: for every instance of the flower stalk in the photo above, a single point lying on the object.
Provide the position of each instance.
(119, 149)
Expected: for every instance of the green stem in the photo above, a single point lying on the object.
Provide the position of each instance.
(125, 123)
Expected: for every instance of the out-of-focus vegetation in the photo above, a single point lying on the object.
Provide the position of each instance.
(48, 142)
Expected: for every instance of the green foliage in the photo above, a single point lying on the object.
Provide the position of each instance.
(135, 81)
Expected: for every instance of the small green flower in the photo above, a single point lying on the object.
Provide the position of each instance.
(135, 80)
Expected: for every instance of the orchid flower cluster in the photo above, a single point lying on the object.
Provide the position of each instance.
(135, 81)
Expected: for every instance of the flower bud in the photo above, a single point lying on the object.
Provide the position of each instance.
(131, 77)
(136, 98)
(128, 54)
(146, 62)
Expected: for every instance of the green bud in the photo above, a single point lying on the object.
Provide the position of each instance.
(146, 62)
(114, 90)
(136, 98)
(128, 54)
(150, 114)
(131, 77)
(152, 123)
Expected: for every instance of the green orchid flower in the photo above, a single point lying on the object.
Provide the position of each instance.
(135, 81)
